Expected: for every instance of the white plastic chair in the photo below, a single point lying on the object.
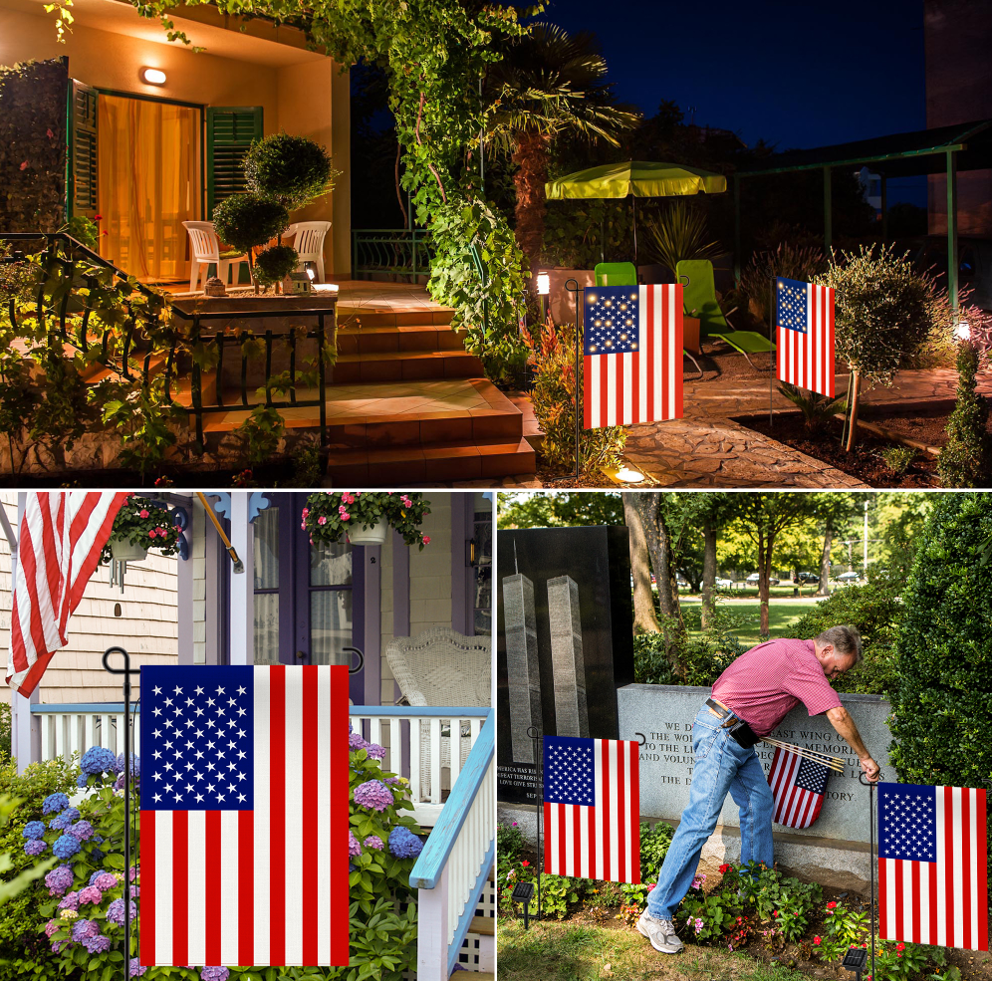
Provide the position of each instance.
(205, 246)
(309, 243)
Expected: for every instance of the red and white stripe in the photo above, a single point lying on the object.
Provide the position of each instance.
(807, 360)
(643, 385)
(944, 902)
(794, 806)
(267, 886)
(602, 841)
(59, 542)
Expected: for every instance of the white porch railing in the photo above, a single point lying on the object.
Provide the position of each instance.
(452, 869)
(417, 740)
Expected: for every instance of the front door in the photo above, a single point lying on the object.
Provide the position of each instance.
(309, 599)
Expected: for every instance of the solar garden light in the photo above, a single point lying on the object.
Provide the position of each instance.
(962, 330)
(543, 291)
(855, 960)
(523, 892)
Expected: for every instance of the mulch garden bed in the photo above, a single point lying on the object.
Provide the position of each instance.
(864, 461)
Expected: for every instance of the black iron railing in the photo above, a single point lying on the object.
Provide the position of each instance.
(404, 252)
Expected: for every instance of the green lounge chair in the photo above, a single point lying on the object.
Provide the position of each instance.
(625, 274)
(699, 299)
(616, 274)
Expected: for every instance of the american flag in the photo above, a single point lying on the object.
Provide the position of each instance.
(932, 865)
(797, 785)
(244, 815)
(592, 809)
(804, 319)
(59, 543)
(633, 355)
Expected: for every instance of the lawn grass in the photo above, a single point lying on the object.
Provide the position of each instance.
(781, 617)
(552, 951)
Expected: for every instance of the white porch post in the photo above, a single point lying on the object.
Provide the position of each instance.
(242, 632)
(432, 932)
(25, 730)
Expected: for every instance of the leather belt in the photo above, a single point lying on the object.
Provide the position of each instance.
(727, 715)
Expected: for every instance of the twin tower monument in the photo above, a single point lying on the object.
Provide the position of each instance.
(523, 663)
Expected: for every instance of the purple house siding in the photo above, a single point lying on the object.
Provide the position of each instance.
(462, 529)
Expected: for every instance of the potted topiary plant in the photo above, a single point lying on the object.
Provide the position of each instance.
(292, 170)
(365, 519)
(141, 524)
(248, 221)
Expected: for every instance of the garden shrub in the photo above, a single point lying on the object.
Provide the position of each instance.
(573, 232)
(291, 170)
(966, 458)
(804, 263)
(941, 700)
(654, 847)
(77, 926)
(699, 661)
(875, 611)
(5, 733)
(274, 264)
(679, 233)
(553, 396)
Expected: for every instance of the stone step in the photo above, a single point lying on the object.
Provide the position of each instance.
(404, 366)
(411, 337)
(350, 316)
(409, 466)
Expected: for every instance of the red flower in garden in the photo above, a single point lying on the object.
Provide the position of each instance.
(775, 913)
(525, 864)
(900, 946)
(831, 905)
(427, 539)
(723, 869)
(816, 940)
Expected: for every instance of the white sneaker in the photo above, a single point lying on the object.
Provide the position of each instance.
(661, 933)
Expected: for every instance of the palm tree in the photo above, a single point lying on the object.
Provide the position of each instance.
(548, 84)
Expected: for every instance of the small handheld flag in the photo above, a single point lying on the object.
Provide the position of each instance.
(933, 865)
(633, 354)
(592, 810)
(804, 335)
(798, 784)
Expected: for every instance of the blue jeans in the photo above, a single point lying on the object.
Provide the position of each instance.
(720, 764)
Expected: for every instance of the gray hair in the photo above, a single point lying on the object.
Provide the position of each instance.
(845, 640)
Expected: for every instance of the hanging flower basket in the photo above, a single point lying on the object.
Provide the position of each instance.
(365, 519)
(140, 525)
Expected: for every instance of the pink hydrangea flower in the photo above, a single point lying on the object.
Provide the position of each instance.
(90, 894)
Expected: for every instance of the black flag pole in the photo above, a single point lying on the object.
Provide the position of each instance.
(871, 784)
(127, 671)
(536, 735)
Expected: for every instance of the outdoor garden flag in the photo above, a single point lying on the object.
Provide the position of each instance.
(932, 865)
(797, 785)
(804, 335)
(633, 355)
(244, 815)
(592, 809)
(59, 542)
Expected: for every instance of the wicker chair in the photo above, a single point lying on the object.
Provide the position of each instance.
(442, 667)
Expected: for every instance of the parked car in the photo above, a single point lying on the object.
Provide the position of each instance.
(849, 577)
(753, 579)
(680, 580)
(723, 583)
(806, 577)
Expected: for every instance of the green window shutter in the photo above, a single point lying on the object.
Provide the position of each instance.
(81, 160)
(230, 132)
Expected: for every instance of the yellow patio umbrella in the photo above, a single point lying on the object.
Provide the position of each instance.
(636, 179)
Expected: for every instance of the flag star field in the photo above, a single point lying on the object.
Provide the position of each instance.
(570, 773)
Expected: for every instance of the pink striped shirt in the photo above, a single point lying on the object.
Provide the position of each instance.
(763, 685)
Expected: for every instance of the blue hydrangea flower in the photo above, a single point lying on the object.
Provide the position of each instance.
(115, 912)
(84, 930)
(214, 974)
(136, 969)
(34, 847)
(66, 846)
(82, 780)
(403, 843)
(375, 751)
(54, 803)
(97, 944)
(59, 880)
(97, 760)
(135, 765)
(34, 829)
(70, 901)
(65, 820)
(374, 794)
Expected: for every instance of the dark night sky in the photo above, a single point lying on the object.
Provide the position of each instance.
(798, 74)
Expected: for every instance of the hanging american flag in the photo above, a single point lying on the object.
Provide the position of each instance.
(592, 809)
(797, 785)
(633, 355)
(59, 543)
(244, 815)
(932, 865)
(804, 327)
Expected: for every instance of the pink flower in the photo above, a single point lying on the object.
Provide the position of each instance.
(816, 940)
(345, 516)
(24, 165)
(408, 503)
(322, 520)
(304, 526)
(341, 509)
(142, 514)
(427, 539)
(153, 533)
(306, 511)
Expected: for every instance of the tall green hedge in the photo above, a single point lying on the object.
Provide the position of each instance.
(942, 704)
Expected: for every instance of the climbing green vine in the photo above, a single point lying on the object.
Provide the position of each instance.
(434, 53)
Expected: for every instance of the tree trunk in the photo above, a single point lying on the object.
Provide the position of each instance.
(828, 540)
(531, 158)
(764, 573)
(855, 399)
(645, 621)
(709, 575)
